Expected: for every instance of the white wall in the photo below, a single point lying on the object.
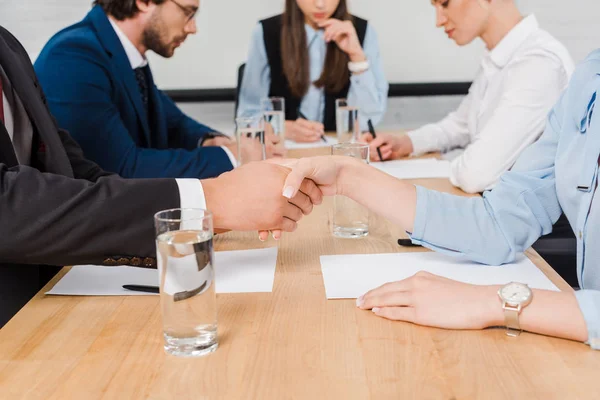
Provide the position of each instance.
(573, 22)
(413, 50)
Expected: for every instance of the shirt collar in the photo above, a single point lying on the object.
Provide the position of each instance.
(136, 59)
(504, 51)
(312, 34)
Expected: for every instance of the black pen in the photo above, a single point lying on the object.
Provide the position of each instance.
(142, 288)
(323, 138)
(407, 242)
(372, 131)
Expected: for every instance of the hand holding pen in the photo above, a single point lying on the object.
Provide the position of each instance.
(372, 132)
(301, 115)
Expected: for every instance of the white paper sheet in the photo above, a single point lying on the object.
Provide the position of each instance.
(350, 276)
(244, 271)
(415, 169)
(291, 145)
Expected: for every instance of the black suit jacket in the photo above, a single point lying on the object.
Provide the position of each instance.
(64, 209)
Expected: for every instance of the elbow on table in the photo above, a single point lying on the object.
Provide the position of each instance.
(472, 180)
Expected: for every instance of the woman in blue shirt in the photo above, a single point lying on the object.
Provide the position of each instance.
(312, 54)
(558, 173)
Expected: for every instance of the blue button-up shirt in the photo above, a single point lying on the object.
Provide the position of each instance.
(368, 91)
(557, 173)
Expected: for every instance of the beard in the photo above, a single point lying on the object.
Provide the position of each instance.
(154, 37)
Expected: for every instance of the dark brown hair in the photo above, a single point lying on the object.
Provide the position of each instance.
(294, 53)
(122, 9)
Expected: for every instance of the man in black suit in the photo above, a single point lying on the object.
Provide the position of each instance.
(57, 208)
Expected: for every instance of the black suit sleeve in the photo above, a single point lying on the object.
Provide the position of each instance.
(56, 220)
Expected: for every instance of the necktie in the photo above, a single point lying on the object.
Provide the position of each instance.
(1, 104)
(140, 76)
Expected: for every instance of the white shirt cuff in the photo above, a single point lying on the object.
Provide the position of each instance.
(230, 155)
(191, 193)
(423, 139)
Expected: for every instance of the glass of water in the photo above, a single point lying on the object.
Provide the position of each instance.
(274, 114)
(185, 259)
(350, 219)
(347, 123)
(250, 136)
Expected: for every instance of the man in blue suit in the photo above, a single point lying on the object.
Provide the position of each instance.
(100, 88)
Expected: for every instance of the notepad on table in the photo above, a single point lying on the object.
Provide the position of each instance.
(292, 145)
(415, 169)
(350, 276)
(242, 271)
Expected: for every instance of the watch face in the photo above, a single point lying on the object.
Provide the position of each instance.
(515, 293)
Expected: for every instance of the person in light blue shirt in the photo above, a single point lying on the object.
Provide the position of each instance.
(558, 173)
(311, 55)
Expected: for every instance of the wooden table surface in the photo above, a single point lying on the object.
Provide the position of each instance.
(289, 344)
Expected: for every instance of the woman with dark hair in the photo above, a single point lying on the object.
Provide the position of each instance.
(523, 71)
(311, 55)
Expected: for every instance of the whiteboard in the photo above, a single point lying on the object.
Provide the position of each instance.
(412, 49)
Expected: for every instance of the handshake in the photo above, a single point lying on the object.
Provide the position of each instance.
(270, 195)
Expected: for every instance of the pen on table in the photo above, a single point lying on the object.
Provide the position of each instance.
(141, 288)
(407, 242)
(372, 131)
(323, 138)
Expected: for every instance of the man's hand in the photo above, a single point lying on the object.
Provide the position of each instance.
(218, 141)
(320, 171)
(250, 198)
(252, 149)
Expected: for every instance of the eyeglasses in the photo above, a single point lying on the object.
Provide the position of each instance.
(189, 13)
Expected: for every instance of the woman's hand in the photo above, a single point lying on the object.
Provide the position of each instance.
(431, 300)
(344, 35)
(274, 144)
(302, 130)
(323, 171)
(391, 146)
(217, 141)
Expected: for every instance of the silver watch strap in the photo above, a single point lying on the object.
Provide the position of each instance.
(511, 318)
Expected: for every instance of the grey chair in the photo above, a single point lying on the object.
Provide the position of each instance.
(240, 77)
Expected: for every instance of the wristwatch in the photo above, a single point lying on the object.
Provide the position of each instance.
(357, 67)
(514, 297)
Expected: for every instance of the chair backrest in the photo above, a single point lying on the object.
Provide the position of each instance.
(240, 77)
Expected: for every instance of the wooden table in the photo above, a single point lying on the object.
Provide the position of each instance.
(289, 344)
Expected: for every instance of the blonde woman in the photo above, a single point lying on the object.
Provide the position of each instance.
(522, 74)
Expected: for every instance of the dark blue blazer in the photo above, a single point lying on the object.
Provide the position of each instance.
(93, 93)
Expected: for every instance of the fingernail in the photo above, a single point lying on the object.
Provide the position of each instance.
(260, 238)
(275, 237)
(360, 301)
(375, 310)
(288, 191)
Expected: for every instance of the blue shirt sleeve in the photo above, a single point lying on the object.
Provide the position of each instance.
(369, 90)
(589, 303)
(494, 228)
(257, 76)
